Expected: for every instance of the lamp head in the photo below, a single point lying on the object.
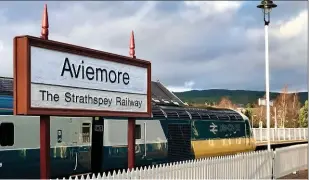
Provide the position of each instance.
(267, 6)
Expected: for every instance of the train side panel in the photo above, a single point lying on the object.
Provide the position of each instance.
(216, 138)
(20, 155)
(151, 143)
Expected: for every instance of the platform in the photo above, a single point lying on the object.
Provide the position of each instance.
(280, 136)
(264, 143)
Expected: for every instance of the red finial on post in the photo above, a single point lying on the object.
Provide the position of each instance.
(132, 46)
(45, 26)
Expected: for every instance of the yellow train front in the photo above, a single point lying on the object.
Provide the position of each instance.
(199, 133)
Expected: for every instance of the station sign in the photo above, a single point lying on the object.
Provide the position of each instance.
(54, 78)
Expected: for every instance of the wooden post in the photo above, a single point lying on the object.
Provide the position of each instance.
(45, 147)
(131, 121)
(131, 143)
(45, 120)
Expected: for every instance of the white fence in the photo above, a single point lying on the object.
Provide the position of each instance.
(252, 165)
(290, 159)
(281, 134)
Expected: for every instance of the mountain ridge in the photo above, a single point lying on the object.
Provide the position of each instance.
(236, 96)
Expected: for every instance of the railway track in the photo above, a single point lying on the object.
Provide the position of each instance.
(275, 146)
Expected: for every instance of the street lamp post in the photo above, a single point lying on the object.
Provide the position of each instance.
(266, 6)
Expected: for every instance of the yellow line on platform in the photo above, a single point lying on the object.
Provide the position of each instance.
(262, 143)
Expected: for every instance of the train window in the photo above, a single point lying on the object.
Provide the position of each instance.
(86, 132)
(138, 133)
(6, 134)
(59, 136)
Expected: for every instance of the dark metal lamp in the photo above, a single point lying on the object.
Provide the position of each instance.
(267, 6)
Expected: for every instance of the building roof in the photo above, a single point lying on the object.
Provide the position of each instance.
(161, 95)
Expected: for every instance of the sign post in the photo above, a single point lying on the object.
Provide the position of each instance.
(52, 78)
(45, 147)
(131, 143)
(131, 121)
(45, 120)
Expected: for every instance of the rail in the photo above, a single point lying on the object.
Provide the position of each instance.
(281, 134)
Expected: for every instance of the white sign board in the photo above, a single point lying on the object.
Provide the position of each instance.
(262, 102)
(71, 81)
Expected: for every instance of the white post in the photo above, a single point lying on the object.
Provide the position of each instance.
(252, 121)
(276, 123)
(261, 132)
(284, 133)
(273, 134)
(267, 87)
(278, 134)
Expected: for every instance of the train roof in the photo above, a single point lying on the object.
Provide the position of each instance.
(168, 112)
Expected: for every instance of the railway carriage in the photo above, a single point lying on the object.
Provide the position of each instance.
(171, 134)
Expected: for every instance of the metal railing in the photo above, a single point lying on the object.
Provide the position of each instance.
(281, 134)
(251, 165)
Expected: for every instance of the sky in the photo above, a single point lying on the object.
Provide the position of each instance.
(191, 44)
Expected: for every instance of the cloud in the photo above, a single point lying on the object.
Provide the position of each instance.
(209, 8)
(294, 27)
(191, 44)
(198, 10)
(188, 86)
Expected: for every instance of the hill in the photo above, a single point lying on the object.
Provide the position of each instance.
(236, 96)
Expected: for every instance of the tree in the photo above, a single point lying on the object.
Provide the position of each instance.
(303, 115)
(249, 105)
(286, 108)
(225, 102)
(248, 113)
(293, 111)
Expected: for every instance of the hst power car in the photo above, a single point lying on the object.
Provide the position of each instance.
(171, 134)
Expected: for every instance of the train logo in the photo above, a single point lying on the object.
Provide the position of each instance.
(213, 128)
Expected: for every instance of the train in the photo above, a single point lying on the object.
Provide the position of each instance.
(171, 134)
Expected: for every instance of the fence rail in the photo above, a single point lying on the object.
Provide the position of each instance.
(251, 165)
(281, 134)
